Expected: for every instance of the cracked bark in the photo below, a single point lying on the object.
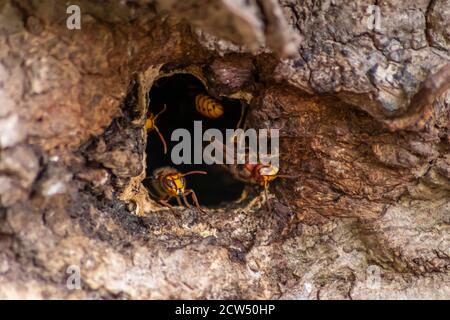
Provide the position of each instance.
(373, 192)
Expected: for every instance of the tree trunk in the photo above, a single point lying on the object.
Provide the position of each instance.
(358, 91)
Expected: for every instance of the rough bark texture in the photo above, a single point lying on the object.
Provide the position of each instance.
(373, 189)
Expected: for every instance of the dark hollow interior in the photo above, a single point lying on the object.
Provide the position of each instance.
(178, 92)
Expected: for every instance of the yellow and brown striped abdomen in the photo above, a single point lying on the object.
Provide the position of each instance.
(208, 107)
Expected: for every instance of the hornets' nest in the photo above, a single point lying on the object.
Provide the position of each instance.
(134, 193)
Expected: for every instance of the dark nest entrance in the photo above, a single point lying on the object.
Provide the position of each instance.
(178, 94)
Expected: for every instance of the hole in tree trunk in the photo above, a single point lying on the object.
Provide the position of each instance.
(177, 93)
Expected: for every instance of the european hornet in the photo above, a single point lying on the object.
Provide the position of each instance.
(256, 174)
(150, 125)
(208, 107)
(169, 183)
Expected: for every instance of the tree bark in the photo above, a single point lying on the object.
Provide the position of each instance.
(364, 121)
